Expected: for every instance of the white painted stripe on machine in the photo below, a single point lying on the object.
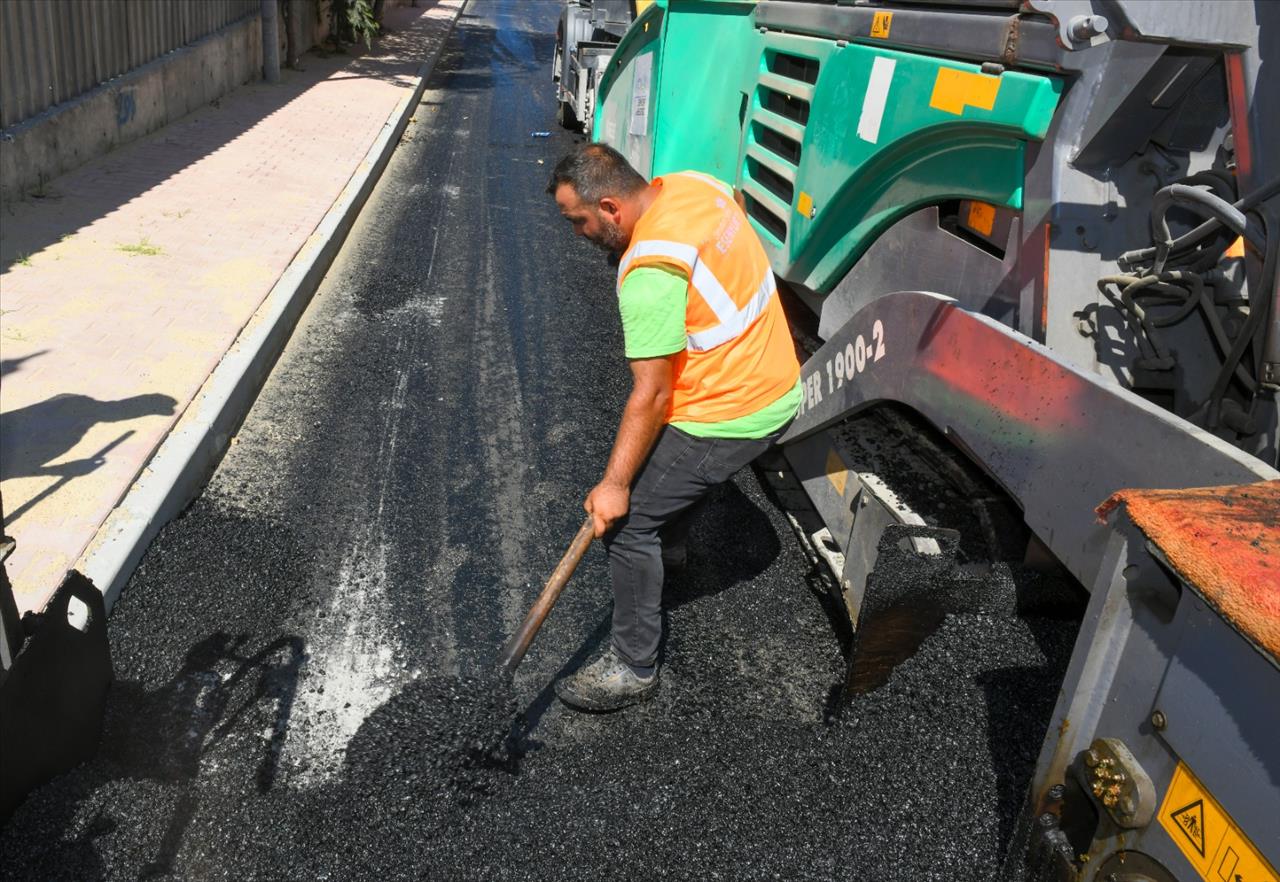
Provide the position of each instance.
(877, 96)
(737, 324)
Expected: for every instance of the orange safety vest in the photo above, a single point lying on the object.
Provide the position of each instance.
(739, 356)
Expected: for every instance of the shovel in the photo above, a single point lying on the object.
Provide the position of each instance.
(518, 645)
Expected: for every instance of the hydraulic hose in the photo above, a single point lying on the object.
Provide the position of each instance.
(1257, 315)
(1187, 287)
(1187, 290)
(1201, 201)
(1140, 256)
(1150, 350)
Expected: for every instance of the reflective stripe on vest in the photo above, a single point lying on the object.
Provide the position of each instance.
(736, 324)
(707, 179)
(733, 321)
(677, 251)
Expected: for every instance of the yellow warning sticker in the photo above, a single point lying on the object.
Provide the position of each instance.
(982, 217)
(837, 473)
(1206, 835)
(954, 90)
(804, 205)
(880, 24)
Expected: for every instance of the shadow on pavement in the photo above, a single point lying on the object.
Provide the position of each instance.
(37, 435)
(165, 735)
(13, 365)
(732, 541)
(192, 138)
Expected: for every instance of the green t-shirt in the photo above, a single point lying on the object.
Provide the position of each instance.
(652, 303)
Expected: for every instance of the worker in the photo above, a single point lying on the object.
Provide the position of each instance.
(715, 382)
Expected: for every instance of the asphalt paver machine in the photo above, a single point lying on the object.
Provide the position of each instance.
(1046, 231)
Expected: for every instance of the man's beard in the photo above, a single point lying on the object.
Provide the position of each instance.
(611, 238)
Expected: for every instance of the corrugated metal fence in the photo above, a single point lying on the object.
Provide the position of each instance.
(53, 50)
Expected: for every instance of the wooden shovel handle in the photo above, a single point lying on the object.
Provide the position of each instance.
(518, 645)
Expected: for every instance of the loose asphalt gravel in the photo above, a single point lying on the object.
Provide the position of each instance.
(303, 658)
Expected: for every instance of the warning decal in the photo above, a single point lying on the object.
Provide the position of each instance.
(982, 217)
(1190, 820)
(1207, 836)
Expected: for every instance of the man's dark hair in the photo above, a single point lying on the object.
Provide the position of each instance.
(596, 171)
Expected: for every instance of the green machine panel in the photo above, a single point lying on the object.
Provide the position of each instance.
(830, 142)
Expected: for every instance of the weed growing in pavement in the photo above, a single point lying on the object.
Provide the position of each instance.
(144, 248)
(22, 260)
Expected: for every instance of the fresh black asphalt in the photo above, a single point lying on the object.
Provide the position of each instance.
(302, 659)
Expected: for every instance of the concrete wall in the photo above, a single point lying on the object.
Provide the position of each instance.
(52, 51)
(128, 107)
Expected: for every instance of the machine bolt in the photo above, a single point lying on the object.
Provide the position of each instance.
(1056, 792)
(1086, 27)
(1048, 819)
(1158, 721)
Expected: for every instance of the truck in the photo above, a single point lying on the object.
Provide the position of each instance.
(1038, 239)
(586, 36)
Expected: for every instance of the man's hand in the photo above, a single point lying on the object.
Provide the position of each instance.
(607, 504)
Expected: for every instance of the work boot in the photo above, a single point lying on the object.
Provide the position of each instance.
(606, 684)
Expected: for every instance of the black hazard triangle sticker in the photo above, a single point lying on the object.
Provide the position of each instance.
(1190, 820)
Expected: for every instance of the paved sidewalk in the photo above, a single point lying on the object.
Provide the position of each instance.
(126, 283)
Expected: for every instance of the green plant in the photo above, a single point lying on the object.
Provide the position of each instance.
(352, 20)
(23, 260)
(144, 248)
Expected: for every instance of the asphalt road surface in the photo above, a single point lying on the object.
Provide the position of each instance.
(300, 658)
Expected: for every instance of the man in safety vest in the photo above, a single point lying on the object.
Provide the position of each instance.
(715, 383)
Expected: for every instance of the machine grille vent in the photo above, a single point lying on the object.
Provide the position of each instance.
(775, 139)
(772, 181)
(766, 218)
(778, 144)
(794, 67)
(789, 106)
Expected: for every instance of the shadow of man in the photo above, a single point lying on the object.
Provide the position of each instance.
(33, 437)
(733, 541)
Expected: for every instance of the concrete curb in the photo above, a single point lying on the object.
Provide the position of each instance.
(180, 466)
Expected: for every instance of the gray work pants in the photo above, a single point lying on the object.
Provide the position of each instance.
(680, 471)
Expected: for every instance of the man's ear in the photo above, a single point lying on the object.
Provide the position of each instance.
(611, 208)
